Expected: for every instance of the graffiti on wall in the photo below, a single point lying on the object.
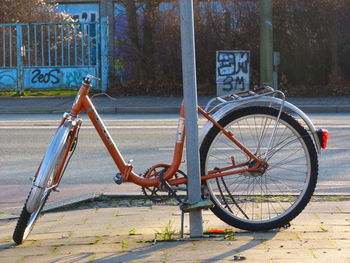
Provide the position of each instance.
(38, 76)
(8, 79)
(232, 71)
(55, 78)
(81, 12)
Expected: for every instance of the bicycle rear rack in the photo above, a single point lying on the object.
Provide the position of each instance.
(240, 97)
(250, 95)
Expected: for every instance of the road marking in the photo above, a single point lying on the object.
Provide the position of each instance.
(87, 127)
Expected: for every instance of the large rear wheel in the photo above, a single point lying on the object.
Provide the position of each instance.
(255, 200)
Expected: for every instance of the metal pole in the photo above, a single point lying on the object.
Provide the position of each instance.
(266, 42)
(104, 53)
(191, 115)
(19, 43)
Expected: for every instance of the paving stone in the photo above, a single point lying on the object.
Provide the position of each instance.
(102, 235)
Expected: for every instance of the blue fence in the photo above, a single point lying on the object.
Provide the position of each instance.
(48, 55)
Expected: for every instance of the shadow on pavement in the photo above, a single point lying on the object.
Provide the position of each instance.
(84, 257)
(141, 253)
(251, 244)
(7, 246)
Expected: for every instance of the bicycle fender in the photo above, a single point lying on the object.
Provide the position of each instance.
(47, 167)
(268, 102)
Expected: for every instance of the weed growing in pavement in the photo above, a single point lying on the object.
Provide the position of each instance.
(312, 253)
(323, 228)
(194, 245)
(60, 218)
(124, 246)
(92, 258)
(165, 255)
(97, 239)
(47, 230)
(84, 221)
(167, 233)
(230, 236)
(117, 212)
(103, 198)
(132, 232)
(55, 247)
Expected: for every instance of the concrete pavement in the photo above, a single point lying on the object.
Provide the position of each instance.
(116, 233)
(148, 104)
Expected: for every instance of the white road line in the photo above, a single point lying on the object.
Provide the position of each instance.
(50, 123)
(87, 127)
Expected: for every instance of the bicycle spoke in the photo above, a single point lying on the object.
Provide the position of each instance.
(262, 197)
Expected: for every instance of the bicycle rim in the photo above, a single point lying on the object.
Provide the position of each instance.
(268, 199)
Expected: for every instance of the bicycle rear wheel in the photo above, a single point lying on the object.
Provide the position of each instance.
(255, 201)
(53, 161)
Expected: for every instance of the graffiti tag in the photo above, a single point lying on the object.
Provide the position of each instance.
(232, 71)
(74, 78)
(49, 77)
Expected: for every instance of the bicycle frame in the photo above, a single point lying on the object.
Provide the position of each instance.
(83, 103)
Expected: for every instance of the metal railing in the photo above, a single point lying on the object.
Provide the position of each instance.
(52, 55)
(48, 44)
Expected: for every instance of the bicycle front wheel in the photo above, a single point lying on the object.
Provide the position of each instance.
(53, 161)
(260, 201)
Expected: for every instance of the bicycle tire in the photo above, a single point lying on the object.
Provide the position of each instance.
(53, 159)
(27, 220)
(271, 200)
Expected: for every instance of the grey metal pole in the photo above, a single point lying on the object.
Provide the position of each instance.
(191, 115)
(104, 53)
(266, 42)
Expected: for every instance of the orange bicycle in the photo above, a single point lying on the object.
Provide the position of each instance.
(259, 165)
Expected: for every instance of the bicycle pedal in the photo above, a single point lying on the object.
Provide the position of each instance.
(204, 204)
(118, 178)
(56, 189)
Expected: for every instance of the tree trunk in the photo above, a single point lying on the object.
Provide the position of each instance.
(148, 45)
(334, 49)
(133, 34)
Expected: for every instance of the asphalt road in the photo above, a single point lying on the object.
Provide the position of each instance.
(147, 139)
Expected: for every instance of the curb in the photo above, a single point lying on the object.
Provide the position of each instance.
(165, 110)
(79, 201)
(324, 108)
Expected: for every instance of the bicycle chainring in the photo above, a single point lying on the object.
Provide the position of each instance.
(155, 193)
(159, 194)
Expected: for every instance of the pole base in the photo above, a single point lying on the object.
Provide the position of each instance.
(204, 204)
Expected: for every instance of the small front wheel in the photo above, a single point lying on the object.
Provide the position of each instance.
(53, 162)
(260, 200)
(27, 220)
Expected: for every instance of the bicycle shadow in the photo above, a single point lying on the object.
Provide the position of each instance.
(251, 244)
(7, 246)
(143, 253)
(83, 257)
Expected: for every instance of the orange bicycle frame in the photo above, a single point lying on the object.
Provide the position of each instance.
(83, 103)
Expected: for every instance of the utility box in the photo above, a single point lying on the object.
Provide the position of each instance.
(232, 71)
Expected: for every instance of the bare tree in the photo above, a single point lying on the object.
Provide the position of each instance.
(30, 11)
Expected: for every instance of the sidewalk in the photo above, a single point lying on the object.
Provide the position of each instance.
(149, 105)
(128, 234)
